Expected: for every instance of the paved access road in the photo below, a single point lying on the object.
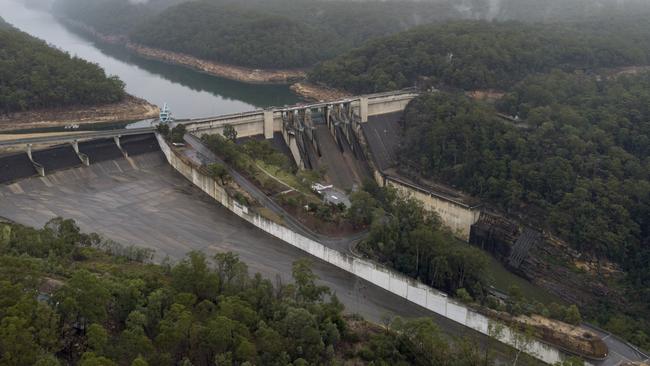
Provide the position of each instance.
(207, 157)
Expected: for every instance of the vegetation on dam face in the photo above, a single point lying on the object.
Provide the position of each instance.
(34, 75)
(75, 298)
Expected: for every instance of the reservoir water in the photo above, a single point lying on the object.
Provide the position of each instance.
(189, 93)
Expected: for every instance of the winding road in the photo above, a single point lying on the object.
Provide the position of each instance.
(343, 244)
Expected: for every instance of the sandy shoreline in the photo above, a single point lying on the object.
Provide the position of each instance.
(131, 108)
(317, 93)
(237, 73)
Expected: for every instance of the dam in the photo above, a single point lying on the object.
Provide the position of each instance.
(142, 200)
(127, 190)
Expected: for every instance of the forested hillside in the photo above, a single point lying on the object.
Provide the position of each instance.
(256, 33)
(69, 298)
(236, 35)
(4, 24)
(111, 17)
(476, 55)
(290, 33)
(280, 33)
(554, 10)
(577, 163)
(413, 241)
(34, 75)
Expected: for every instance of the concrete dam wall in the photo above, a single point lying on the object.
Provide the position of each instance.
(376, 114)
(396, 283)
(266, 122)
(457, 216)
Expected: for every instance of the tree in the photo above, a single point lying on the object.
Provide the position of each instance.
(96, 338)
(163, 130)
(521, 341)
(16, 342)
(194, 275)
(307, 290)
(301, 326)
(463, 295)
(270, 345)
(91, 359)
(177, 133)
(362, 208)
(50, 77)
(191, 314)
(230, 133)
(47, 360)
(139, 361)
(219, 171)
(83, 299)
(573, 315)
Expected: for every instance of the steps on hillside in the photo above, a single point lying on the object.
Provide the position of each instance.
(526, 241)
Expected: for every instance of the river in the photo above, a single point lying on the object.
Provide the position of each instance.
(189, 93)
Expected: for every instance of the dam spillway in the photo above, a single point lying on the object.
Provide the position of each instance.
(143, 201)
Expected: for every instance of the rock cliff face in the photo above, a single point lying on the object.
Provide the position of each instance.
(550, 263)
(557, 268)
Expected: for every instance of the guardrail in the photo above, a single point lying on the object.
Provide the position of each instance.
(78, 136)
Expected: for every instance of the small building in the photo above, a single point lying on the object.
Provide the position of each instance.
(332, 195)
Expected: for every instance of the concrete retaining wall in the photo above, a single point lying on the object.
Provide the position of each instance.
(261, 122)
(387, 279)
(456, 216)
(383, 104)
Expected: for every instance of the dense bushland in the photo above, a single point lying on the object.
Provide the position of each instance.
(576, 163)
(236, 35)
(479, 55)
(111, 17)
(256, 33)
(34, 75)
(72, 298)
